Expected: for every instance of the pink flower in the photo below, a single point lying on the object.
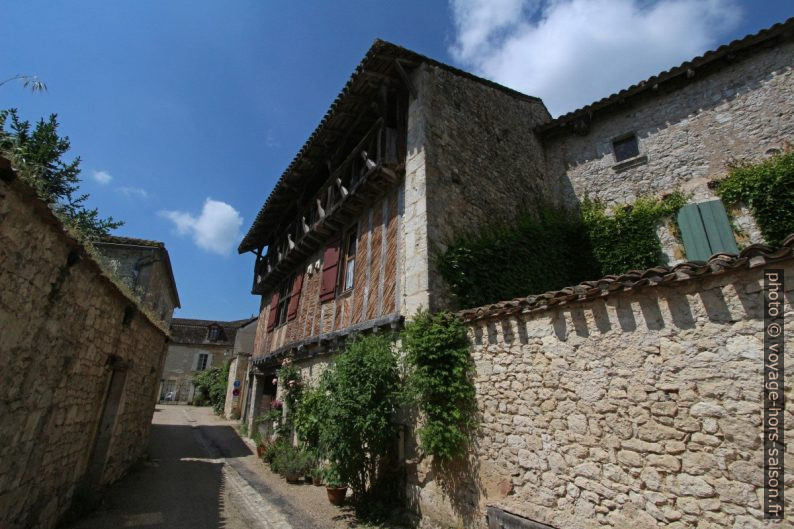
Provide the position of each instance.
(275, 381)
(291, 383)
(277, 404)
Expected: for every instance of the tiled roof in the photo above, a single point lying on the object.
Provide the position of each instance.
(380, 60)
(686, 72)
(196, 332)
(751, 257)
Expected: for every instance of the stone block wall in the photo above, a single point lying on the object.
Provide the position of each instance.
(642, 410)
(686, 137)
(472, 160)
(65, 328)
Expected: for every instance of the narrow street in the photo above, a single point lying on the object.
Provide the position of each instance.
(200, 475)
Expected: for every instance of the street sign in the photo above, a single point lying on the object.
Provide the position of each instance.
(236, 384)
(235, 392)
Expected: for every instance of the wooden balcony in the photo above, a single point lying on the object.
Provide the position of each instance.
(367, 172)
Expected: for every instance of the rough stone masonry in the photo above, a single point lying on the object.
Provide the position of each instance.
(79, 366)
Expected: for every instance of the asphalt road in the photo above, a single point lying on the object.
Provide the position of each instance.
(199, 475)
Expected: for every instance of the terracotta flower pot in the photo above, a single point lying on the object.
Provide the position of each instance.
(317, 481)
(336, 495)
(293, 478)
(260, 450)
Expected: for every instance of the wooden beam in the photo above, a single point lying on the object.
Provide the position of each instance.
(405, 78)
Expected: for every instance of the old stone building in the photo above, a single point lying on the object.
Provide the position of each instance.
(80, 362)
(238, 386)
(144, 266)
(195, 346)
(413, 153)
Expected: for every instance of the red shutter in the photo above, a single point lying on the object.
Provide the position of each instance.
(330, 265)
(295, 296)
(271, 318)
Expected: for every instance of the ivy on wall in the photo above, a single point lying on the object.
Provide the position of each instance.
(555, 249)
(768, 190)
(626, 239)
(437, 353)
(531, 255)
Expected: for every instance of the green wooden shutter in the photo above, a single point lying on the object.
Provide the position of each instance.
(706, 230)
(718, 227)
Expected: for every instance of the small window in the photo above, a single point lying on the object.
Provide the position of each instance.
(283, 301)
(201, 365)
(348, 269)
(214, 334)
(625, 148)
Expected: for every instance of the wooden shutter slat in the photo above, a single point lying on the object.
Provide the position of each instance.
(295, 295)
(271, 318)
(696, 242)
(330, 266)
(718, 227)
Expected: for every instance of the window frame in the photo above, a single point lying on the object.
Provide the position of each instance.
(206, 357)
(621, 139)
(347, 258)
(284, 295)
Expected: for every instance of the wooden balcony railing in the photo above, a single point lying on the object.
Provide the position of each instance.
(352, 184)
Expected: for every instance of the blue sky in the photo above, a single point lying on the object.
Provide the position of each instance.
(185, 113)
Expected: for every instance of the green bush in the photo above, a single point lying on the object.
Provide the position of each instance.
(290, 461)
(211, 386)
(308, 416)
(768, 190)
(534, 254)
(626, 240)
(437, 351)
(357, 428)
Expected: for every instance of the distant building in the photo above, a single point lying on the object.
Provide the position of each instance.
(144, 266)
(196, 345)
(237, 390)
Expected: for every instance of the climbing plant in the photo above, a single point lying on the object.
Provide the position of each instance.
(437, 354)
(768, 190)
(626, 239)
(211, 385)
(535, 253)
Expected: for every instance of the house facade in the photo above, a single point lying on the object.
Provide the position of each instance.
(414, 153)
(238, 386)
(145, 267)
(195, 346)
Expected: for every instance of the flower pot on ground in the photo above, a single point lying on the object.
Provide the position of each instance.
(292, 463)
(336, 495)
(334, 487)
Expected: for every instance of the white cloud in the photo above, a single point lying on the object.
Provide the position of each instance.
(133, 192)
(573, 52)
(102, 177)
(216, 229)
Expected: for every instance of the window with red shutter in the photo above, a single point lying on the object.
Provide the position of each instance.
(271, 317)
(295, 296)
(330, 266)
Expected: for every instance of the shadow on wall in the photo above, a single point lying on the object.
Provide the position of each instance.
(667, 308)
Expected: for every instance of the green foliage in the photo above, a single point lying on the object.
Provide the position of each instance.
(290, 461)
(37, 153)
(437, 351)
(626, 240)
(309, 413)
(357, 430)
(211, 385)
(768, 190)
(331, 476)
(272, 450)
(534, 254)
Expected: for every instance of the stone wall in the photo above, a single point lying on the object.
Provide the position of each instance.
(67, 330)
(642, 410)
(472, 161)
(686, 137)
(180, 367)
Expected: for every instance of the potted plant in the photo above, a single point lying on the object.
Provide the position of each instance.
(334, 486)
(292, 463)
(317, 476)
